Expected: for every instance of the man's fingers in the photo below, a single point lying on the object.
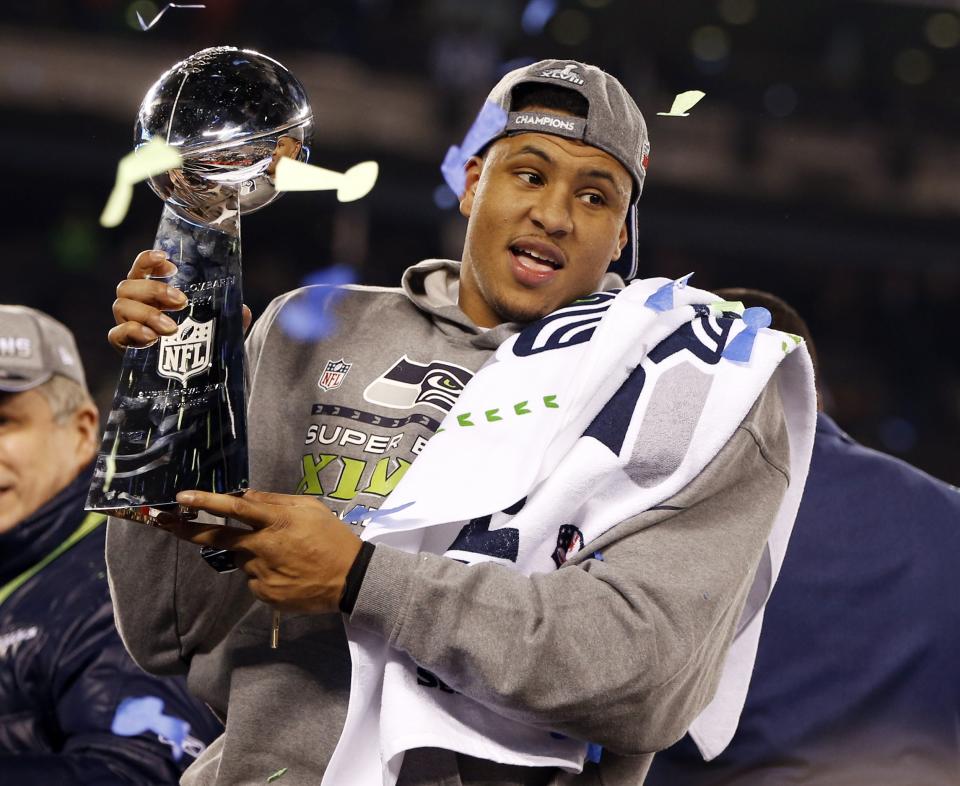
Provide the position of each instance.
(217, 537)
(138, 325)
(125, 310)
(258, 515)
(189, 530)
(284, 500)
(141, 301)
(247, 319)
(130, 334)
(151, 263)
(151, 292)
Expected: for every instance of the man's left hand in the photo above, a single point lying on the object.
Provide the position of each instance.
(297, 554)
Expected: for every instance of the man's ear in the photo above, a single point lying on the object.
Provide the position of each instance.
(473, 169)
(621, 241)
(84, 422)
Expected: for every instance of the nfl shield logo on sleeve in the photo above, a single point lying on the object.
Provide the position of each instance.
(333, 374)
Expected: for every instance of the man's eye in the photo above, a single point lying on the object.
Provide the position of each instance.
(532, 178)
(593, 199)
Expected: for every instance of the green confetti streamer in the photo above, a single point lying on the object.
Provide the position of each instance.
(153, 158)
(720, 306)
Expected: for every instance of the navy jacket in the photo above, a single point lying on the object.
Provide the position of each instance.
(64, 672)
(857, 680)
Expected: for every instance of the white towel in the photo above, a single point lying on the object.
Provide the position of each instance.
(534, 408)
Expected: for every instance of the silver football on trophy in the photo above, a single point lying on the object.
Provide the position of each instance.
(232, 114)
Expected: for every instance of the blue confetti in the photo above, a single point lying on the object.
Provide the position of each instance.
(598, 555)
(308, 316)
(741, 348)
(662, 299)
(594, 752)
(334, 276)
(536, 15)
(363, 513)
(489, 123)
(137, 715)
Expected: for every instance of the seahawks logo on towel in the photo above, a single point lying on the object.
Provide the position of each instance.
(565, 327)
(408, 383)
(704, 337)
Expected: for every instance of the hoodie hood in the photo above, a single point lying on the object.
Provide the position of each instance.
(433, 285)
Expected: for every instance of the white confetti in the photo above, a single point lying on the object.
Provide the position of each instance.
(351, 185)
(683, 103)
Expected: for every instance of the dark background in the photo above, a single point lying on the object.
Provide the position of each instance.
(823, 164)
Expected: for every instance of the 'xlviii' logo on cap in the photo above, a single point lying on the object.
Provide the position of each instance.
(187, 352)
(566, 74)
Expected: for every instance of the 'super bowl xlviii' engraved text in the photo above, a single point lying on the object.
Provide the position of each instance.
(175, 394)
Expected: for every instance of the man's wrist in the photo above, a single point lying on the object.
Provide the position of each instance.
(354, 578)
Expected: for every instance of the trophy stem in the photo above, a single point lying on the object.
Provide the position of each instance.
(178, 419)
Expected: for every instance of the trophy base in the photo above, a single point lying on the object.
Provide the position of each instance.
(149, 514)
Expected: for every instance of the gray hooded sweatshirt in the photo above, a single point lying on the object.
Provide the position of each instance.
(623, 652)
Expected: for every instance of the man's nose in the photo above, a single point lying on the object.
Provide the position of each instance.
(551, 213)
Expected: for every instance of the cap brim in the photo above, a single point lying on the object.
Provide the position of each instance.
(22, 384)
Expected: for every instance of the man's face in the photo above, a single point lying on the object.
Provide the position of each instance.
(38, 456)
(546, 217)
(287, 147)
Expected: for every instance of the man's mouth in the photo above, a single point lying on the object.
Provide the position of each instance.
(538, 257)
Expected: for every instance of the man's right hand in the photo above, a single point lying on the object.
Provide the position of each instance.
(142, 299)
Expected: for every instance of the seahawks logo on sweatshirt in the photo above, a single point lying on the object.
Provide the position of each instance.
(408, 383)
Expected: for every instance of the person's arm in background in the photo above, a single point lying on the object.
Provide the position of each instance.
(623, 652)
(91, 679)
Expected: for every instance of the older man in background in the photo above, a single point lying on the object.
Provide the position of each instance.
(74, 708)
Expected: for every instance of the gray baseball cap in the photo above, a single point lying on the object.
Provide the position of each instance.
(34, 347)
(613, 124)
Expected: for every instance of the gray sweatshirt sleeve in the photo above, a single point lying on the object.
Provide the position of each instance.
(623, 652)
(167, 601)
